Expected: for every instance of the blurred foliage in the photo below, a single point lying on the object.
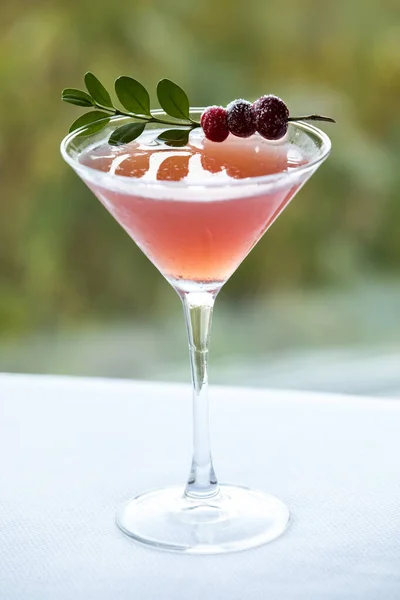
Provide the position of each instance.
(63, 259)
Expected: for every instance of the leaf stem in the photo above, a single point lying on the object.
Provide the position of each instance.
(312, 118)
(152, 119)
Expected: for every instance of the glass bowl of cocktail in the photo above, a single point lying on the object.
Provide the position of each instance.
(196, 210)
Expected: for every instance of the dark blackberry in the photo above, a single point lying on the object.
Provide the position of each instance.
(271, 117)
(240, 118)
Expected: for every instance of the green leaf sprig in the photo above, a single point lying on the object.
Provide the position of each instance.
(135, 99)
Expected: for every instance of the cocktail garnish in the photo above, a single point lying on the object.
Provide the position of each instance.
(268, 115)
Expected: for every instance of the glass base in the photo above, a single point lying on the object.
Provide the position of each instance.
(236, 519)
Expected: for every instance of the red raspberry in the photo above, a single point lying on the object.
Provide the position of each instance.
(213, 122)
(271, 114)
(240, 118)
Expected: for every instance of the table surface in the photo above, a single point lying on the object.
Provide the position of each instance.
(72, 450)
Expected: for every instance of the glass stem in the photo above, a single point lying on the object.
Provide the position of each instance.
(198, 308)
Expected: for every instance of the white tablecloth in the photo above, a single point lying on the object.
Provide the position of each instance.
(72, 450)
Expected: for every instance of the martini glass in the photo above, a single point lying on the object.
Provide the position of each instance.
(197, 230)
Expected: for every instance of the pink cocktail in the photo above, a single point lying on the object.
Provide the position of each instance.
(196, 237)
(196, 212)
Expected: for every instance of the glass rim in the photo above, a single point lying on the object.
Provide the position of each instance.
(258, 180)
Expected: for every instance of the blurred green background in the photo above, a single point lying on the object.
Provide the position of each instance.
(320, 292)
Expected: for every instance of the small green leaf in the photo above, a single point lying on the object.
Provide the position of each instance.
(173, 99)
(90, 117)
(94, 127)
(133, 95)
(126, 133)
(77, 97)
(97, 90)
(174, 137)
